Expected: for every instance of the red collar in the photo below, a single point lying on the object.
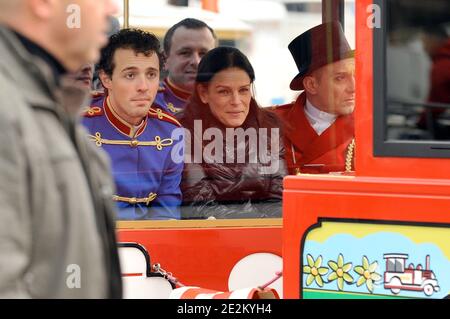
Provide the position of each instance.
(122, 126)
(308, 142)
(295, 119)
(179, 93)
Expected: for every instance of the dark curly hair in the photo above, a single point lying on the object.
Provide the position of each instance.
(138, 40)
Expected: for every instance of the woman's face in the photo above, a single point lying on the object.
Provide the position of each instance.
(228, 95)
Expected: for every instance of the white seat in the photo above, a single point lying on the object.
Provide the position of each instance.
(134, 261)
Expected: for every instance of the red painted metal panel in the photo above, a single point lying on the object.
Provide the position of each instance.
(204, 257)
(309, 198)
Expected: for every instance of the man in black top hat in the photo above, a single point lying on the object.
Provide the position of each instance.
(319, 129)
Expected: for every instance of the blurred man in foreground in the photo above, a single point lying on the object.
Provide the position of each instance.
(57, 233)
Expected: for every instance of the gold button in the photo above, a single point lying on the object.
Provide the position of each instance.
(133, 200)
(134, 143)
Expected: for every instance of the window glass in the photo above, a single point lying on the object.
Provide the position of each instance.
(399, 265)
(262, 30)
(418, 70)
(391, 265)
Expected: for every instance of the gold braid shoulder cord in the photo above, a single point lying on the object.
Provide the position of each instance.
(350, 155)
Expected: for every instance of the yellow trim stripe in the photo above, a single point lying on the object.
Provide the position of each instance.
(195, 223)
(133, 200)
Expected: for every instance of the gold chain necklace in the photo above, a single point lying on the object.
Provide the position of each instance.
(349, 156)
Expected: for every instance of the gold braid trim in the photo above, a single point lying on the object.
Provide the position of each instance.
(91, 111)
(350, 155)
(163, 116)
(158, 142)
(172, 108)
(133, 200)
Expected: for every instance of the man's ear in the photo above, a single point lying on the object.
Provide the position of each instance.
(105, 79)
(310, 84)
(165, 56)
(202, 91)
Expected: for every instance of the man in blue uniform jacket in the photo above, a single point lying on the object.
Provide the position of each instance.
(136, 135)
(185, 43)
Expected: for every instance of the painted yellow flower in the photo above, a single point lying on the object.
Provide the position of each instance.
(367, 274)
(314, 271)
(340, 272)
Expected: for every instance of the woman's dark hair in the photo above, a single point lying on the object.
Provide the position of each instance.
(222, 58)
(214, 61)
(137, 40)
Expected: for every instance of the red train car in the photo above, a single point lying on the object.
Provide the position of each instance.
(397, 202)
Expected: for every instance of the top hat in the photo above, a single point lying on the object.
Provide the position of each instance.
(317, 47)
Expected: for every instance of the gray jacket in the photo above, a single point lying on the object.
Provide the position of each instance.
(57, 231)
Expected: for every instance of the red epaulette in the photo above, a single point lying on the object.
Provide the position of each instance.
(92, 111)
(97, 94)
(159, 114)
(281, 107)
(281, 110)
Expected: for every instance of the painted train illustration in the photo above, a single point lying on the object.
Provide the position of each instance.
(397, 277)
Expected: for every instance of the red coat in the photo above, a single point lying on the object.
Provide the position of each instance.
(308, 152)
(440, 75)
(439, 84)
